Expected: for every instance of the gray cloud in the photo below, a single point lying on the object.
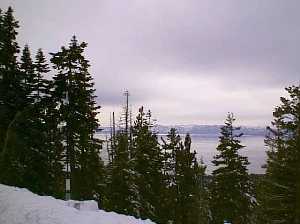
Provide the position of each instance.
(190, 61)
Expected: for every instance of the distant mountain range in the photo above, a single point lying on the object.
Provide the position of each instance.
(205, 130)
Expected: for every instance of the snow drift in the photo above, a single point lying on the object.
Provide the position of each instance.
(20, 206)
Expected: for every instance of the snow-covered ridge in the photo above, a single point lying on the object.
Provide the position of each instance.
(19, 205)
(205, 130)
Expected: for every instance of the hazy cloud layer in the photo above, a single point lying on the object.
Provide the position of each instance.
(189, 61)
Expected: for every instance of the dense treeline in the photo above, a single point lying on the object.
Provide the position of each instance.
(47, 137)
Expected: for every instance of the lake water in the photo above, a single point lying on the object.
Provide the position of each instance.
(205, 146)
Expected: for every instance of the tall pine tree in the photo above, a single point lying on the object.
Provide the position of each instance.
(281, 188)
(190, 191)
(48, 121)
(17, 135)
(28, 73)
(25, 158)
(169, 196)
(147, 157)
(186, 197)
(122, 191)
(12, 93)
(231, 188)
(77, 110)
(41, 87)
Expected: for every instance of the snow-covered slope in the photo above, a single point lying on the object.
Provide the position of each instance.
(20, 206)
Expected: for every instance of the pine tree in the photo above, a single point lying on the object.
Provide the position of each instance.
(28, 73)
(17, 138)
(35, 84)
(12, 93)
(9, 46)
(48, 122)
(147, 158)
(24, 160)
(281, 188)
(186, 196)
(54, 149)
(203, 215)
(41, 87)
(189, 176)
(122, 195)
(77, 110)
(169, 197)
(231, 189)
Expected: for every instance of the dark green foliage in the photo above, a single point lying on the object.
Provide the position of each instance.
(169, 199)
(185, 198)
(9, 46)
(53, 146)
(122, 195)
(28, 73)
(281, 189)
(15, 109)
(259, 216)
(231, 188)
(47, 119)
(77, 110)
(164, 183)
(31, 138)
(41, 87)
(24, 158)
(12, 94)
(192, 199)
(147, 158)
(30, 159)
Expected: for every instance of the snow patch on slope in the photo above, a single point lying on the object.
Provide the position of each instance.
(20, 206)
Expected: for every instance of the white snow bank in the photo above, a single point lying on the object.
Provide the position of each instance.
(83, 205)
(20, 206)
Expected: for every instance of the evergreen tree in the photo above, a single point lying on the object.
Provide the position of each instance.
(186, 197)
(203, 215)
(147, 157)
(9, 46)
(281, 189)
(17, 135)
(41, 87)
(190, 192)
(28, 73)
(122, 195)
(25, 160)
(12, 93)
(54, 149)
(169, 197)
(48, 121)
(77, 110)
(231, 188)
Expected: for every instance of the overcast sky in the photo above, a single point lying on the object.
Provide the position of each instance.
(190, 62)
